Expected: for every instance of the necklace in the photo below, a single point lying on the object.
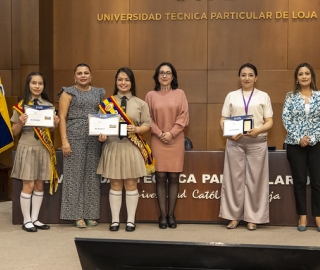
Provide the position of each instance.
(165, 89)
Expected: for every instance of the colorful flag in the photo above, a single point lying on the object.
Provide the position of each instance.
(6, 138)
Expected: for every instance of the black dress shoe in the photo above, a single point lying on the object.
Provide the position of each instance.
(130, 228)
(172, 222)
(41, 227)
(32, 229)
(114, 228)
(163, 224)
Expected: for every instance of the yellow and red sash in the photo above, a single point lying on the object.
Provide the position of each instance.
(45, 136)
(110, 106)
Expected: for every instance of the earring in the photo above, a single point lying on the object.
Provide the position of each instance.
(75, 81)
(297, 82)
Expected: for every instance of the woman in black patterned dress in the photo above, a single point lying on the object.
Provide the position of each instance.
(81, 153)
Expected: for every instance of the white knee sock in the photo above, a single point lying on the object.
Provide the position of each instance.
(37, 198)
(115, 199)
(132, 198)
(25, 202)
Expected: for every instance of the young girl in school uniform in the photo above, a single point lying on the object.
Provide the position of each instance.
(35, 159)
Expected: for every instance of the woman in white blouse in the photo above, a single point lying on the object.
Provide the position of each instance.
(245, 186)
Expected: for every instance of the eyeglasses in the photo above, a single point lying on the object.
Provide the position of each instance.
(162, 73)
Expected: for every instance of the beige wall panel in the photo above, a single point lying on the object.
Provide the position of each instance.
(303, 36)
(197, 128)
(215, 140)
(194, 83)
(277, 134)
(29, 46)
(234, 42)
(80, 37)
(16, 34)
(144, 82)
(277, 83)
(183, 43)
(16, 83)
(5, 30)
(6, 78)
(220, 83)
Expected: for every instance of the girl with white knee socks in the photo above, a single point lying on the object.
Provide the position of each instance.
(125, 159)
(35, 159)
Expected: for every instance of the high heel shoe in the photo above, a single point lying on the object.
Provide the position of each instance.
(172, 222)
(163, 224)
(233, 224)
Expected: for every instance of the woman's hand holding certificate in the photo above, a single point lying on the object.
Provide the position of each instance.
(40, 116)
(237, 125)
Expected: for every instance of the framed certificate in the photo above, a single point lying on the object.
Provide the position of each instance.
(107, 124)
(40, 116)
(234, 127)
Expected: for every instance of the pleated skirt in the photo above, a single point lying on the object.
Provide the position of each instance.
(31, 163)
(121, 160)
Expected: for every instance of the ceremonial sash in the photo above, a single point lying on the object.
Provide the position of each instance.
(110, 106)
(45, 136)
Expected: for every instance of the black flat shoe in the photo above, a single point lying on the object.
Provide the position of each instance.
(130, 228)
(163, 224)
(172, 222)
(114, 228)
(41, 227)
(32, 229)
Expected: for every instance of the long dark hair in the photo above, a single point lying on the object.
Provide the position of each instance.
(248, 65)
(174, 82)
(129, 73)
(297, 86)
(27, 93)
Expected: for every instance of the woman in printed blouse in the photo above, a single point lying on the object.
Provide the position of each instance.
(301, 118)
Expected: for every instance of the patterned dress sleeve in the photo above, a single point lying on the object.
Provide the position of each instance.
(315, 121)
(102, 93)
(69, 90)
(293, 130)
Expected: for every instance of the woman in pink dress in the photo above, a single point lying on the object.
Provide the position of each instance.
(169, 113)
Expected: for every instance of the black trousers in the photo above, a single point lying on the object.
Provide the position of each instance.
(303, 160)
